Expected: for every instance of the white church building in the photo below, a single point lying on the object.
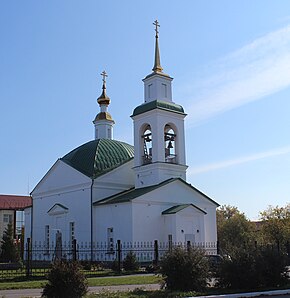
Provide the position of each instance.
(107, 190)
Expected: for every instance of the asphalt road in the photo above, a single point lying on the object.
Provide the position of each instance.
(36, 293)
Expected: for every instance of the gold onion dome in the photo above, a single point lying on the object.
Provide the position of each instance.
(104, 98)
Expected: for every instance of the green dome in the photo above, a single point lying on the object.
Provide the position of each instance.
(99, 156)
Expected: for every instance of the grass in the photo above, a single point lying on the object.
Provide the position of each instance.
(125, 280)
(96, 281)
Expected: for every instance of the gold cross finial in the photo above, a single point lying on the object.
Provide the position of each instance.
(104, 75)
(156, 24)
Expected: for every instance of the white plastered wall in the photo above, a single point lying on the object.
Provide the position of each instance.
(68, 187)
(116, 216)
(147, 211)
(117, 180)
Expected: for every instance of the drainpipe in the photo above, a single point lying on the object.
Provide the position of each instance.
(31, 222)
(92, 251)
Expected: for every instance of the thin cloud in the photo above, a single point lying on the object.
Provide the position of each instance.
(256, 70)
(241, 160)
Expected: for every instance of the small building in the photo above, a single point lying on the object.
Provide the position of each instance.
(12, 211)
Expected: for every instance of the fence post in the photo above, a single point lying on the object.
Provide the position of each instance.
(74, 247)
(156, 253)
(119, 254)
(188, 245)
(28, 261)
(218, 247)
(288, 248)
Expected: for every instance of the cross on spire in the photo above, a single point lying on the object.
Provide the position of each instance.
(157, 66)
(156, 24)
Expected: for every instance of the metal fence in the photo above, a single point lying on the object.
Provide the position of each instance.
(38, 257)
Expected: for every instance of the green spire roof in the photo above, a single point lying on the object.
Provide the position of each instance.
(99, 156)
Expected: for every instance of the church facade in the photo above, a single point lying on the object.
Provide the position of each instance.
(107, 190)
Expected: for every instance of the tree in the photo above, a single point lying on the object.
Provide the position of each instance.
(233, 229)
(9, 251)
(130, 262)
(185, 269)
(275, 226)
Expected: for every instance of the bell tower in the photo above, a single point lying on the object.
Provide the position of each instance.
(159, 141)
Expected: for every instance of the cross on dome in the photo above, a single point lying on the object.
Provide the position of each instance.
(104, 99)
(104, 75)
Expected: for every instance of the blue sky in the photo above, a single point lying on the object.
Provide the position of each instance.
(230, 61)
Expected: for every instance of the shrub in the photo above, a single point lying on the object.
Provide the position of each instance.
(238, 271)
(152, 268)
(251, 268)
(65, 280)
(114, 265)
(271, 267)
(130, 262)
(185, 270)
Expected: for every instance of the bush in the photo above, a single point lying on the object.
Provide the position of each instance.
(130, 262)
(65, 280)
(251, 268)
(152, 268)
(271, 268)
(238, 271)
(185, 270)
(114, 265)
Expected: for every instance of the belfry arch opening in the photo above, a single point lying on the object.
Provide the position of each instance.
(170, 144)
(147, 145)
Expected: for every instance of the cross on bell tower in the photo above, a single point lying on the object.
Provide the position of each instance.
(159, 142)
(157, 65)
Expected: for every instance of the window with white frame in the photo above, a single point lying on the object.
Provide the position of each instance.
(71, 231)
(7, 218)
(110, 235)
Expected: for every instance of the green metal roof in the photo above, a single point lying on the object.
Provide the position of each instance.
(177, 208)
(158, 104)
(99, 156)
(133, 193)
(130, 194)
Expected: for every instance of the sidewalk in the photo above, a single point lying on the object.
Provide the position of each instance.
(276, 293)
(36, 293)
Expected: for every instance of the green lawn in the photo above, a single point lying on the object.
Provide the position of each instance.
(96, 281)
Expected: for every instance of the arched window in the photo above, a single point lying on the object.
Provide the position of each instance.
(147, 145)
(169, 140)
